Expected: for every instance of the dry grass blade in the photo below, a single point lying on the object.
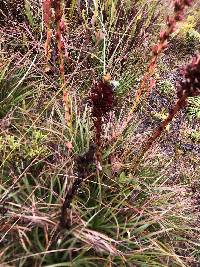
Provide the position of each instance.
(100, 242)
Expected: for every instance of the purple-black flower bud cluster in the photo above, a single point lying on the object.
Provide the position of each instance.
(101, 99)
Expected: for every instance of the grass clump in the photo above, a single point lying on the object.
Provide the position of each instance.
(86, 193)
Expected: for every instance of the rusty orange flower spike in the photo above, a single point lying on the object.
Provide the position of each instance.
(188, 87)
(47, 15)
(60, 28)
(144, 87)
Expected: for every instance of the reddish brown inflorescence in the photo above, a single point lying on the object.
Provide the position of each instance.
(47, 13)
(48, 19)
(50, 22)
(102, 101)
(179, 9)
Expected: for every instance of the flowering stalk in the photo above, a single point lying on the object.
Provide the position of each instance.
(179, 8)
(60, 27)
(102, 101)
(189, 87)
(57, 5)
(47, 14)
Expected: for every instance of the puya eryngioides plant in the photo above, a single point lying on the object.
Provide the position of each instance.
(50, 20)
(102, 102)
(188, 87)
(157, 49)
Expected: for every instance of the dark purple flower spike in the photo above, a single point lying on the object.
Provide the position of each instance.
(102, 102)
